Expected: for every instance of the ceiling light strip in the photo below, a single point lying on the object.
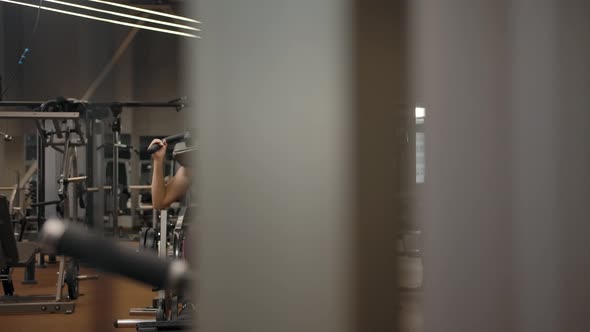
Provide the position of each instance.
(102, 19)
(145, 10)
(63, 3)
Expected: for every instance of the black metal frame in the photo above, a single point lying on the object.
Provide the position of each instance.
(86, 111)
(178, 104)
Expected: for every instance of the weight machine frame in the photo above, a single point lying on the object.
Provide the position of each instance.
(66, 143)
(84, 114)
(81, 114)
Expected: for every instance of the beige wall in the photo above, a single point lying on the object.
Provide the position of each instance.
(12, 154)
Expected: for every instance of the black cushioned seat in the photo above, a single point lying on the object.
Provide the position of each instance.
(14, 254)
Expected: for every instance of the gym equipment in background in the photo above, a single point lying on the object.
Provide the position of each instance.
(92, 119)
(109, 255)
(21, 254)
(172, 309)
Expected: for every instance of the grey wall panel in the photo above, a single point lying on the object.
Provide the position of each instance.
(274, 114)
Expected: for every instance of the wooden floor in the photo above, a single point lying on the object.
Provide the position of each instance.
(103, 301)
(110, 297)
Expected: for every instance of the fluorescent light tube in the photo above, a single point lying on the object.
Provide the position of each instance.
(145, 10)
(122, 15)
(102, 19)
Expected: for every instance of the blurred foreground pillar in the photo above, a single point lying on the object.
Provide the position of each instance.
(297, 176)
(508, 131)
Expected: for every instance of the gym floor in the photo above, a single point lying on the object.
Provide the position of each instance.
(93, 310)
(92, 313)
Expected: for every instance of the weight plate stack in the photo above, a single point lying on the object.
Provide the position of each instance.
(178, 244)
(71, 279)
(161, 313)
(151, 239)
(81, 193)
(7, 284)
(142, 235)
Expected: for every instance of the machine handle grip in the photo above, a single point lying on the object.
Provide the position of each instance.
(170, 140)
(45, 203)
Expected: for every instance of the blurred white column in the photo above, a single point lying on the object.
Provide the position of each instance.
(273, 95)
(506, 219)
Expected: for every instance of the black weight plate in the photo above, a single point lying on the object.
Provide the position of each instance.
(81, 192)
(71, 278)
(7, 282)
(8, 287)
(142, 236)
(59, 208)
(161, 313)
(174, 310)
(151, 239)
(178, 244)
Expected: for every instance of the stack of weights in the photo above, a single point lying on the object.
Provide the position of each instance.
(32, 191)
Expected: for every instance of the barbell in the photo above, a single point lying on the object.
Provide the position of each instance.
(82, 190)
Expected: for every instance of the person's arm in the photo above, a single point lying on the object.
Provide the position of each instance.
(165, 194)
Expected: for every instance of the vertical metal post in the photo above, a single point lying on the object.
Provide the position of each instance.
(162, 251)
(17, 192)
(40, 177)
(163, 245)
(29, 278)
(98, 174)
(41, 188)
(90, 146)
(115, 190)
(60, 279)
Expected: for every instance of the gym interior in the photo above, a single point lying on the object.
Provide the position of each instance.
(312, 165)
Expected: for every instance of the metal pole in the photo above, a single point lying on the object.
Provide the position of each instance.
(98, 176)
(163, 248)
(17, 193)
(89, 171)
(41, 188)
(115, 190)
(29, 278)
(162, 251)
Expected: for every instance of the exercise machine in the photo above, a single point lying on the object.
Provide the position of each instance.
(15, 254)
(66, 138)
(171, 309)
(91, 119)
